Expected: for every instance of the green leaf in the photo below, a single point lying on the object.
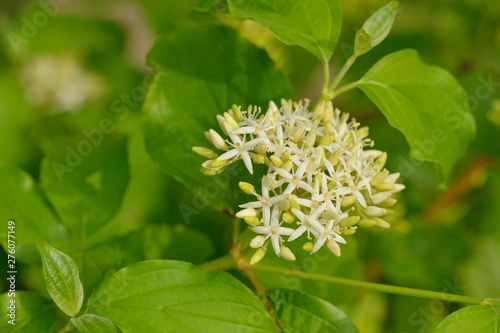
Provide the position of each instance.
(321, 262)
(22, 202)
(314, 25)
(377, 27)
(90, 323)
(173, 296)
(298, 312)
(61, 278)
(191, 88)
(477, 319)
(33, 313)
(85, 178)
(425, 103)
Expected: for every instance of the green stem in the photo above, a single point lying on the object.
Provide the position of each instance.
(343, 89)
(342, 73)
(326, 74)
(220, 264)
(236, 231)
(376, 286)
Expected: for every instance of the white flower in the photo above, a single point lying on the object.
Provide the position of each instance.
(241, 148)
(308, 223)
(326, 233)
(274, 231)
(295, 180)
(317, 170)
(265, 202)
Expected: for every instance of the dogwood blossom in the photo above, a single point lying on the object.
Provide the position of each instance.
(320, 182)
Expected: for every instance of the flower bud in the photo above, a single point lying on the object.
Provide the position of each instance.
(379, 178)
(252, 221)
(247, 187)
(246, 212)
(286, 253)
(334, 247)
(297, 133)
(366, 223)
(349, 221)
(258, 255)
(348, 232)
(379, 197)
(257, 158)
(310, 138)
(230, 121)
(276, 161)
(205, 152)
(327, 139)
(348, 200)
(257, 241)
(388, 203)
(380, 161)
(308, 246)
(334, 158)
(287, 217)
(385, 187)
(217, 140)
(236, 113)
(379, 223)
(328, 113)
(375, 211)
(220, 121)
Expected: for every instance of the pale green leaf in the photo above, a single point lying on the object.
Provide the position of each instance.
(90, 323)
(476, 319)
(61, 278)
(314, 25)
(426, 103)
(173, 296)
(298, 312)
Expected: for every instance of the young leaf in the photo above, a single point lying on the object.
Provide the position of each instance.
(90, 323)
(61, 278)
(424, 102)
(376, 28)
(477, 319)
(174, 296)
(314, 25)
(32, 313)
(202, 72)
(22, 203)
(85, 178)
(299, 312)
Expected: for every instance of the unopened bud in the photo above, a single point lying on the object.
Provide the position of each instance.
(328, 113)
(375, 211)
(287, 217)
(252, 221)
(388, 203)
(230, 121)
(258, 241)
(308, 246)
(258, 255)
(366, 223)
(348, 200)
(327, 139)
(276, 161)
(334, 247)
(297, 133)
(247, 187)
(379, 223)
(379, 197)
(379, 178)
(349, 221)
(310, 138)
(286, 253)
(217, 140)
(246, 212)
(348, 232)
(385, 187)
(380, 161)
(205, 152)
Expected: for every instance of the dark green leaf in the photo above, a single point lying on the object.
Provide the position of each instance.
(191, 88)
(172, 296)
(61, 278)
(90, 323)
(21, 202)
(85, 177)
(477, 319)
(298, 312)
(424, 102)
(33, 313)
(314, 25)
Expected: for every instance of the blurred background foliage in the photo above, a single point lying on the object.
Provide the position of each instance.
(88, 62)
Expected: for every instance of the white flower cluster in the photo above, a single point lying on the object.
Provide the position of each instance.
(60, 83)
(320, 180)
